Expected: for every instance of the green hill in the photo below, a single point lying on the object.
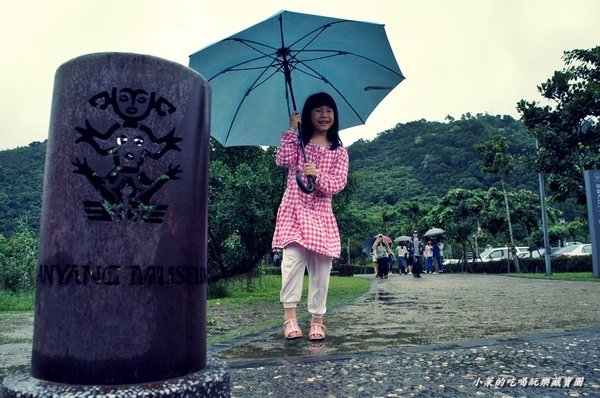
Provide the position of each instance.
(21, 179)
(419, 160)
(422, 160)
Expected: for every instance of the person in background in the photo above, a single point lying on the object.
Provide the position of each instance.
(428, 253)
(382, 252)
(441, 245)
(401, 254)
(375, 266)
(415, 252)
(277, 258)
(391, 260)
(437, 257)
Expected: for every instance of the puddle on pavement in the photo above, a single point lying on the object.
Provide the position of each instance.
(345, 335)
(385, 297)
(394, 327)
(275, 346)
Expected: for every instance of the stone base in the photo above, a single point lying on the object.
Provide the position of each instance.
(210, 382)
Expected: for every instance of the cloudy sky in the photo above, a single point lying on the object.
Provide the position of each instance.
(458, 56)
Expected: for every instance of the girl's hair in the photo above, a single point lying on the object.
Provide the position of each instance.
(315, 101)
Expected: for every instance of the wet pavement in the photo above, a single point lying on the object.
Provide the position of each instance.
(440, 335)
(403, 311)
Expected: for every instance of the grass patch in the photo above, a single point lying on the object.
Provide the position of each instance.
(15, 340)
(16, 301)
(238, 307)
(560, 276)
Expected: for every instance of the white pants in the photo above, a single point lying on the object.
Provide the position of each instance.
(295, 260)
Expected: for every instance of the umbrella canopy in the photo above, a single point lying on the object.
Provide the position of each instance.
(256, 75)
(367, 246)
(402, 238)
(434, 232)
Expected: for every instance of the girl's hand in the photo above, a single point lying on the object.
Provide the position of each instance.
(310, 169)
(295, 119)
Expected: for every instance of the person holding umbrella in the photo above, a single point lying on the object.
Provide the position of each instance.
(382, 252)
(306, 228)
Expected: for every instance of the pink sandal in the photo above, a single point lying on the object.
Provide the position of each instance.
(317, 332)
(291, 330)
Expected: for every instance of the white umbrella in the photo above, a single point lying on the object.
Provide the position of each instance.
(434, 232)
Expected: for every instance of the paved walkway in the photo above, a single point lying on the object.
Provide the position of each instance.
(441, 335)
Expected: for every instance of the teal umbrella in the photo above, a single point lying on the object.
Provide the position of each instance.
(258, 74)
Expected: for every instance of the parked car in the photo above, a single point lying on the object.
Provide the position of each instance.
(574, 250)
(451, 261)
(499, 253)
(536, 253)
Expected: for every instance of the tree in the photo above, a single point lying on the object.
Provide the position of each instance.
(567, 131)
(525, 216)
(459, 213)
(569, 231)
(245, 188)
(497, 160)
(18, 259)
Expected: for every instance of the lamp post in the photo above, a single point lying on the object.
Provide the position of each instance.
(542, 182)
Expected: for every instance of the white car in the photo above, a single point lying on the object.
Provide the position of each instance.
(499, 253)
(537, 253)
(574, 250)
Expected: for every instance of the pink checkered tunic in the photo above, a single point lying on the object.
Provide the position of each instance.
(308, 219)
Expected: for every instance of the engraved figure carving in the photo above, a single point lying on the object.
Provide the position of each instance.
(127, 189)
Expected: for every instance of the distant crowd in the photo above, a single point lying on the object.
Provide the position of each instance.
(410, 255)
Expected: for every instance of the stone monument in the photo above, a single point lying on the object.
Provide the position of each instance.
(121, 282)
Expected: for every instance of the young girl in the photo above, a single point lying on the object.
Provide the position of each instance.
(306, 228)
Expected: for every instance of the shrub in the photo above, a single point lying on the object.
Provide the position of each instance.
(18, 260)
(532, 265)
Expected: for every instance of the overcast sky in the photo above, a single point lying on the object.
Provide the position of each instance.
(458, 56)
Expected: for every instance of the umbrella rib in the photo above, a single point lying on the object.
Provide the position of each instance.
(324, 79)
(253, 86)
(335, 53)
(284, 60)
(261, 79)
(317, 32)
(318, 75)
(257, 83)
(247, 43)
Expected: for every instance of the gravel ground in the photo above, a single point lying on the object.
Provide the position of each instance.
(542, 365)
(448, 335)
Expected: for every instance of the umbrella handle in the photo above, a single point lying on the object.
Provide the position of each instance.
(309, 187)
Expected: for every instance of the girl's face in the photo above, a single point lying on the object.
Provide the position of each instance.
(322, 118)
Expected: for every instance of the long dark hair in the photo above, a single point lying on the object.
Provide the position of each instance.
(315, 101)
